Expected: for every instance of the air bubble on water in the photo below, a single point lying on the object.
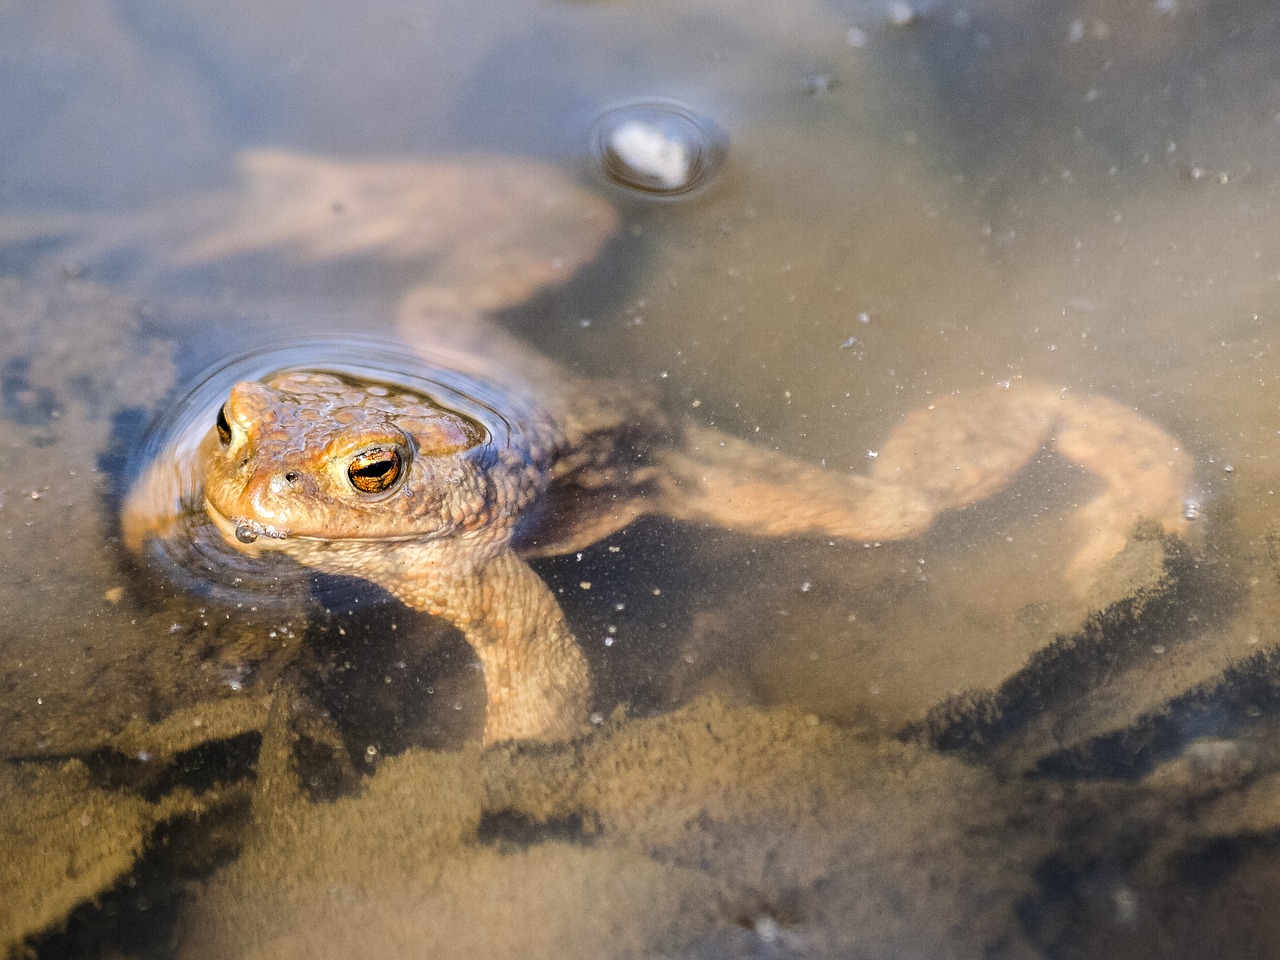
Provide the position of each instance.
(659, 148)
(819, 83)
(651, 155)
(1191, 510)
(1125, 902)
(767, 929)
(902, 14)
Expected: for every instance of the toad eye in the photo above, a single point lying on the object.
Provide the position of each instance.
(376, 470)
(223, 426)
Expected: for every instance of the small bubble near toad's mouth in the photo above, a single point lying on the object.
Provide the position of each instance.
(241, 529)
(250, 530)
(247, 531)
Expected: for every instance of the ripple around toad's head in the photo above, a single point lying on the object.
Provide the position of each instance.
(164, 515)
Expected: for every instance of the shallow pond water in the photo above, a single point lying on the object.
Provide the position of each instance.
(799, 746)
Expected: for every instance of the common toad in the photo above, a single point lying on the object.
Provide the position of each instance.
(441, 503)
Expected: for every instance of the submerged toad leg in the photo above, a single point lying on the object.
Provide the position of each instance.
(536, 679)
(959, 450)
(1147, 475)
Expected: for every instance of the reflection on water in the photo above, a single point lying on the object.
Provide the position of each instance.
(800, 748)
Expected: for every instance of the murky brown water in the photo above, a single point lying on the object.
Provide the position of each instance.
(805, 748)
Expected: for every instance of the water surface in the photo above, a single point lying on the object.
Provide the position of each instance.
(805, 748)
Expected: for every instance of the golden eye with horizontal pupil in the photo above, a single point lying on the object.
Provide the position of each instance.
(224, 427)
(374, 471)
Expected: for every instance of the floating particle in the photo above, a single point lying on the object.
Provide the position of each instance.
(658, 148)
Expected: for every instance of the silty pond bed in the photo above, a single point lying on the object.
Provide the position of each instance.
(802, 746)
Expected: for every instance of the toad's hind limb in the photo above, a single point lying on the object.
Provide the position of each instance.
(957, 451)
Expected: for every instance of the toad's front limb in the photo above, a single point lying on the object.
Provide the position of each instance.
(536, 679)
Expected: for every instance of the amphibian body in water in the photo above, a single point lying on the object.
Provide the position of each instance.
(441, 503)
